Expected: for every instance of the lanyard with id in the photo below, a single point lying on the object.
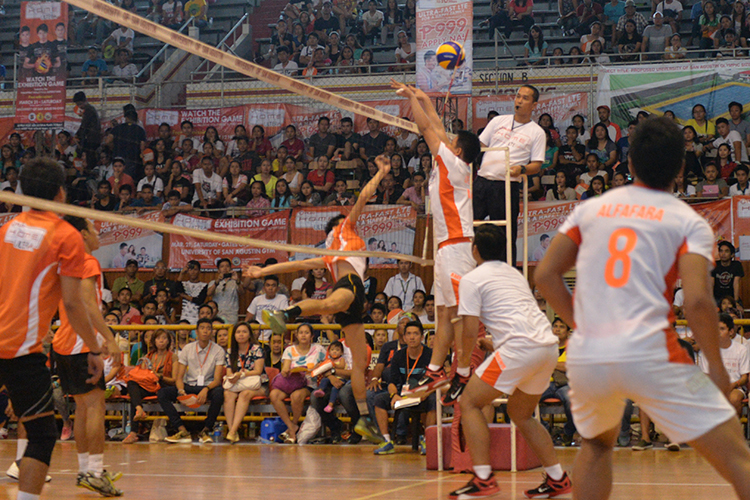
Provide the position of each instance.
(410, 371)
(201, 377)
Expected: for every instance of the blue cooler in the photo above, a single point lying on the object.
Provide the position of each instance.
(270, 428)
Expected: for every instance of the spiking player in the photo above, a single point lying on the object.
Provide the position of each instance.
(347, 299)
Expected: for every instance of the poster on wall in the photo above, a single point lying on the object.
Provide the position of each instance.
(119, 243)
(42, 66)
(544, 220)
(440, 21)
(270, 228)
(384, 228)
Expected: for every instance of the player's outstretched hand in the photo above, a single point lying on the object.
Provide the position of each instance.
(383, 163)
(249, 271)
(401, 88)
(96, 367)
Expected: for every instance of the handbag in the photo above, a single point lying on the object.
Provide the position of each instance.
(158, 431)
(143, 375)
(249, 383)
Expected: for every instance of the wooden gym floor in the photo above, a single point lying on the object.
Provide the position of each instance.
(334, 472)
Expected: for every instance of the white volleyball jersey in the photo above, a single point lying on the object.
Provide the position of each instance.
(629, 242)
(450, 197)
(500, 297)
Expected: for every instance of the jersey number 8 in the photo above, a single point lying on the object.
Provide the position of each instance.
(616, 255)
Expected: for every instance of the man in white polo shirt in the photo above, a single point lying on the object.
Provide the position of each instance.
(527, 144)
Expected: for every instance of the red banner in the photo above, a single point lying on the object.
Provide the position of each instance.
(270, 228)
(42, 62)
(385, 228)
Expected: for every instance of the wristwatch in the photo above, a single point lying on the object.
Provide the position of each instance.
(333, 371)
(523, 169)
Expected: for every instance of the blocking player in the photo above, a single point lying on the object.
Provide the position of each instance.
(629, 246)
(41, 262)
(347, 298)
(69, 354)
(521, 366)
(453, 224)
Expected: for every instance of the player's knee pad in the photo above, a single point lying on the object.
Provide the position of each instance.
(42, 435)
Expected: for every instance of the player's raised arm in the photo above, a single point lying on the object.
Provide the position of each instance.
(429, 125)
(384, 166)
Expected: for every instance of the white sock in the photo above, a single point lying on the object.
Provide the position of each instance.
(387, 437)
(96, 464)
(83, 462)
(464, 372)
(433, 368)
(483, 471)
(21, 448)
(555, 472)
(22, 495)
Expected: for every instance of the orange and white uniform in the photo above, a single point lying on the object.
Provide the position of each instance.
(345, 237)
(66, 341)
(36, 248)
(452, 222)
(525, 347)
(624, 346)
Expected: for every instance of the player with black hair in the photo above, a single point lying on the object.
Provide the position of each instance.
(453, 224)
(347, 299)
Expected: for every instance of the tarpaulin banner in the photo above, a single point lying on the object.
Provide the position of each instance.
(120, 243)
(545, 217)
(269, 228)
(440, 21)
(42, 65)
(561, 107)
(741, 226)
(678, 87)
(384, 228)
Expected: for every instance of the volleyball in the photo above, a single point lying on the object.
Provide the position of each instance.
(450, 55)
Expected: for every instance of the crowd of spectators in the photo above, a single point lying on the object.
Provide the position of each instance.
(611, 31)
(242, 176)
(327, 38)
(582, 162)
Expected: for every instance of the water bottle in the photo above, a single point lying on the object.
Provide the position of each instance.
(217, 432)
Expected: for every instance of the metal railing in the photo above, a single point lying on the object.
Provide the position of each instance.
(162, 53)
(222, 45)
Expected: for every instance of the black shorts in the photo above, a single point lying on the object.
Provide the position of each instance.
(73, 371)
(353, 315)
(29, 384)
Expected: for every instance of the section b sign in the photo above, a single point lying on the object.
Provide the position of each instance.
(440, 21)
(42, 61)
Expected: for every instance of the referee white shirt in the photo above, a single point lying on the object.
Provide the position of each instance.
(526, 142)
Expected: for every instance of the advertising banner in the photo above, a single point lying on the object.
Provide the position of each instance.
(42, 62)
(658, 88)
(440, 21)
(561, 107)
(741, 226)
(545, 217)
(270, 228)
(120, 243)
(384, 228)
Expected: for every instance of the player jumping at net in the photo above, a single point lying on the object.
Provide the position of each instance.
(41, 263)
(69, 354)
(521, 366)
(347, 298)
(453, 223)
(629, 246)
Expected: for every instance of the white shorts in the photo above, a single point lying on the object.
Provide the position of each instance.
(452, 262)
(679, 398)
(528, 369)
